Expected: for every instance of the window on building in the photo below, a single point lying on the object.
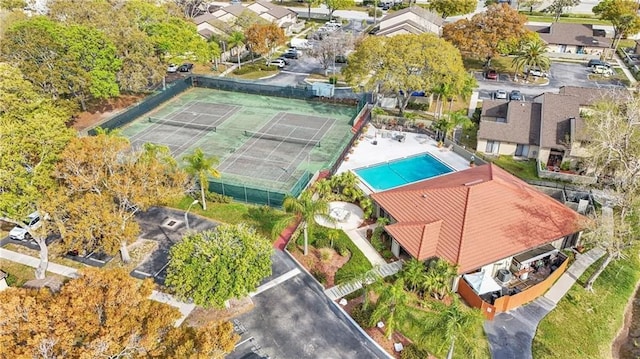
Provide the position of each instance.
(522, 150)
(501, 119)
(492, 147)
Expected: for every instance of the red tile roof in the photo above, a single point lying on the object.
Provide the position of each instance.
(474, 217)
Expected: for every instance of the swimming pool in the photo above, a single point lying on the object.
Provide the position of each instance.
(400, 172)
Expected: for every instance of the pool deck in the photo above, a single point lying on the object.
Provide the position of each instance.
(367, 154)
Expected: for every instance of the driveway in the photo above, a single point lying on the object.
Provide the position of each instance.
(167, 226)
(560, 74)
(294, 319)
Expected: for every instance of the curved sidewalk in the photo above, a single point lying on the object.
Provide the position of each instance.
(510, 334)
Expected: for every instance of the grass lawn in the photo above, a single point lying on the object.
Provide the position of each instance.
(138, 252)
(20, 274)
(263, 218)
(585, 324)
(54, 257)
(522, 169)
(254, 75)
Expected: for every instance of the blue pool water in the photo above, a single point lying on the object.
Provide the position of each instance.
(400, 172)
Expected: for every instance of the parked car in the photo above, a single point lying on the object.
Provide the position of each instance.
(277, 62)
(291, 54)
(32, 222)
(500, 95)
(186, 67)
(172, 68)
(285, 60)
(492, 75)
(516, 95)
(534, 71)
(596, 62)
(603, 70)
(341, 59)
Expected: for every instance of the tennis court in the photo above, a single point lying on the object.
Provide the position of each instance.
(262, 142)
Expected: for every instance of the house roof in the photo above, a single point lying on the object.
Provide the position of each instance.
(204, 18)
(206, 33)
(474, 217)
(522, 121)
(276, 11)
(418, 11)
(408, 26)
(234, 10)
(571, 34)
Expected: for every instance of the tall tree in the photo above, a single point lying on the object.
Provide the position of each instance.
(236, 40)
(199, 166)
(448, 123)
(311, 3)
(213, 266)
(305, 208)
(102, 314)
(32, 136)
(334, 5)
(127, 180)
(265, 39)
(392, 307)
(336, 44)
(557, 7)
(481, 36)
(439, 278)
(191, 8)
(448, 8)
(529, 4)
(455, 325)
(413, 273)
(533, 54)
(417, 63)
(623, 15)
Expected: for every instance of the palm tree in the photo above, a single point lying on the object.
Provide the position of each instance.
(306, 207)
(323, 188)
(198, 167)
(236, 40)
(447, 124)
(439, 278)
(392, 307)
(413, 273)
(455, 323)
(531, 55)
(368, 280)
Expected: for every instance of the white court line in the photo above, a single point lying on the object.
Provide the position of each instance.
(283, 278)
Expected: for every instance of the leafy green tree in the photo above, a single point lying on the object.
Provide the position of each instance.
(392, 307)
(413, 273)
(417, 63)
(557, 7)
(199, 166)
(334, 5)
(448, 8)
(311, 3)
(529, 3)
(482, 35)
(32, 136)
(533, 54)
(439, 278)
(213, 266)
(236, 40)
(513, 45)
(103, 314)
(455, 325)
(305, 208)
(623, 15)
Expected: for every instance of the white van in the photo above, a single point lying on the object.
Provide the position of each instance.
(32, 222)
(603, 70)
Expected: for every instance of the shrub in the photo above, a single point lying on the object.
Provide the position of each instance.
(565, 166)
(333, 80)
(11, 280)
(253, 68)
(387, 254)
(218, 198)
(326, 254)
(412, 351)
(378, 12)
(319, 276)
(362, 316)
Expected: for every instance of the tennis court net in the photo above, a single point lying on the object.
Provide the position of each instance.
(195, 126)
(300, 141)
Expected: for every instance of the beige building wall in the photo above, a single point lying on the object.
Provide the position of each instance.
(385, 24)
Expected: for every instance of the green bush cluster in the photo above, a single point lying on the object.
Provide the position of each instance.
(358, 263)
(362, 316)
(632, 68)
(333, 80)
(11, 280)
(319, 276)
(218, 198)
(253, 68)
(412, 351)
(378, 12)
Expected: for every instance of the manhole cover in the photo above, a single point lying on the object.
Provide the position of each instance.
(171, 223)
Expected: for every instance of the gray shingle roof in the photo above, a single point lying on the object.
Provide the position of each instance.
(425, 14)
(522, 126)
(571, 34)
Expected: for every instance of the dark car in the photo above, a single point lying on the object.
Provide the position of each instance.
(291, 54)
(596, 62)
(516, 95)
(492, 75)
(185, 67)
(341, 59)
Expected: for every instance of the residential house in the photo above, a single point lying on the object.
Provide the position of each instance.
(549, 129)
(279, 15)
(209, 25)
(229, 14)
(412, 20)
(581, 39)
(485, 221)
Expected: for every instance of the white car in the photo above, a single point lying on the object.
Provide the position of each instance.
(603, 70)
(500, 95)
(32, 222)
(277, 62)
(172, 68)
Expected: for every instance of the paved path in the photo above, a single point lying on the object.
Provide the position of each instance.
(366, 248)
(511, 334)
(341, 290)
(184, 308)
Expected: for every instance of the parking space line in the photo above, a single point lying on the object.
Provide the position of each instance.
(290, 274)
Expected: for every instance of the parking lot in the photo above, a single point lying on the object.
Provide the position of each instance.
(560, 74)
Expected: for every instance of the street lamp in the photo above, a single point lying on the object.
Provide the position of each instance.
(186, 214)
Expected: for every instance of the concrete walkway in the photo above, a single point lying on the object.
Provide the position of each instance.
(341, 290)
(511, 334)
(625, 69)
(184, 308)
(360, 241)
